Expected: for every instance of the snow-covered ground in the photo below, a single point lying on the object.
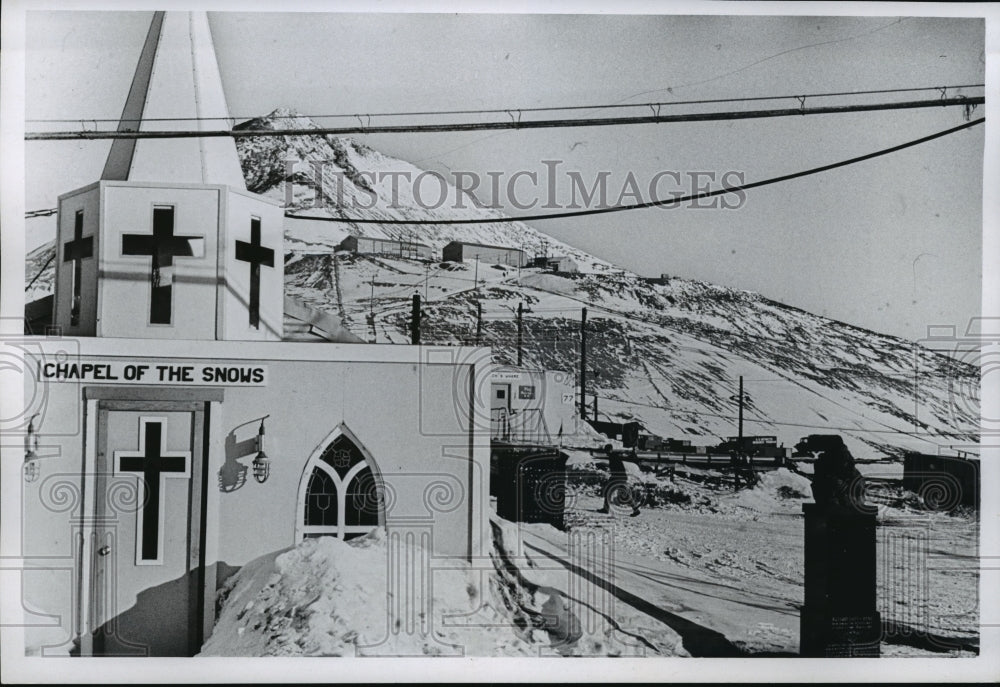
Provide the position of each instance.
(703, 570)
(736, 561)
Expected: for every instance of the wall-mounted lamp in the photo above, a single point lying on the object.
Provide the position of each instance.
(261, 464)
(31, 470)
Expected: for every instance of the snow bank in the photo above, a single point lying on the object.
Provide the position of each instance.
(564, 616)
(327, 597)
(778, 490)
(881, 469)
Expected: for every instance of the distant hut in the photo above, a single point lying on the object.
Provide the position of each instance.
(371, 245)
(562, 263)
(460, 251)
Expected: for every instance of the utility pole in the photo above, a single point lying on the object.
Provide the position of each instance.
(736, 457)
(520, 327)
(476, 279)
(583, 366)
(415, 320)
(595, 404)
(479, 321)
(741, 416)
(916, 397)
(371, 301)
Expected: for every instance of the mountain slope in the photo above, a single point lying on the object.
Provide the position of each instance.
(327, 176)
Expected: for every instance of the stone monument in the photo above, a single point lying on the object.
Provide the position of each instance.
(840, 616)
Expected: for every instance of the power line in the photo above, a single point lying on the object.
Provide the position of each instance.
(40, 213)
(507, 110)
(513, 124)
(655, 203)
(39, 273)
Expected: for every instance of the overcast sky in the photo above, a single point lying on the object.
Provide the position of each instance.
(892, 244)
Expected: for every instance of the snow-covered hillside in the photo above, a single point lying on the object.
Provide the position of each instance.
(668, 354)
(328, 176)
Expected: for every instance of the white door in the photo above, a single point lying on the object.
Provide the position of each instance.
(147, 586)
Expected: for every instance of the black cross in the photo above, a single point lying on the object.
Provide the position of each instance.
(256, 255)
(76, 251)
(162, 246)
(152, 465)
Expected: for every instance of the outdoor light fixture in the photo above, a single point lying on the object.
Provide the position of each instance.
(31, 452)
(30, 470)
(261, 464)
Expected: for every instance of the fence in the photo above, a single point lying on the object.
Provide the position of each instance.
(522, 427)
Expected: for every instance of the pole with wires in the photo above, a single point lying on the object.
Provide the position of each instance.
(583, 365)
(415, 320)
(520, 328)
(740, 426)
(479, 321)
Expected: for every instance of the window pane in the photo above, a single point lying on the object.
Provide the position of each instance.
(342, 455)
(321, 500)
(363, 500)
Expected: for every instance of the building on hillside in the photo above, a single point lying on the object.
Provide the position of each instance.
(532, 406)
(173, 435)
(561, 263)
(371, 245)
(459, 251)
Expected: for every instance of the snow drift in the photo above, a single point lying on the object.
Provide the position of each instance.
(327, 597)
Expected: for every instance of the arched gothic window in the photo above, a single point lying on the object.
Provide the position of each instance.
(340, 495)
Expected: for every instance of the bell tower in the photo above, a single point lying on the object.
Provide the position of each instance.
(169, 243)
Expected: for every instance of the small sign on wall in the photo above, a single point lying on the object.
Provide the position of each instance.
(135, 372)
(525, 391)
(504, 376)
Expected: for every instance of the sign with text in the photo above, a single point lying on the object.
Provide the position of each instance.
(504, 376)
(134, 372)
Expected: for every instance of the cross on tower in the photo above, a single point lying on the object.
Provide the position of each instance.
(153, 465)
(76, 251)
(256, 255)
(162, 246)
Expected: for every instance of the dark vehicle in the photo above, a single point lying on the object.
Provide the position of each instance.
(756, 446)
(652, 442)
(626, 432)
(943, 482)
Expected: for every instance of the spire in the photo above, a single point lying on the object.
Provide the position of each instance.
(177, 79)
